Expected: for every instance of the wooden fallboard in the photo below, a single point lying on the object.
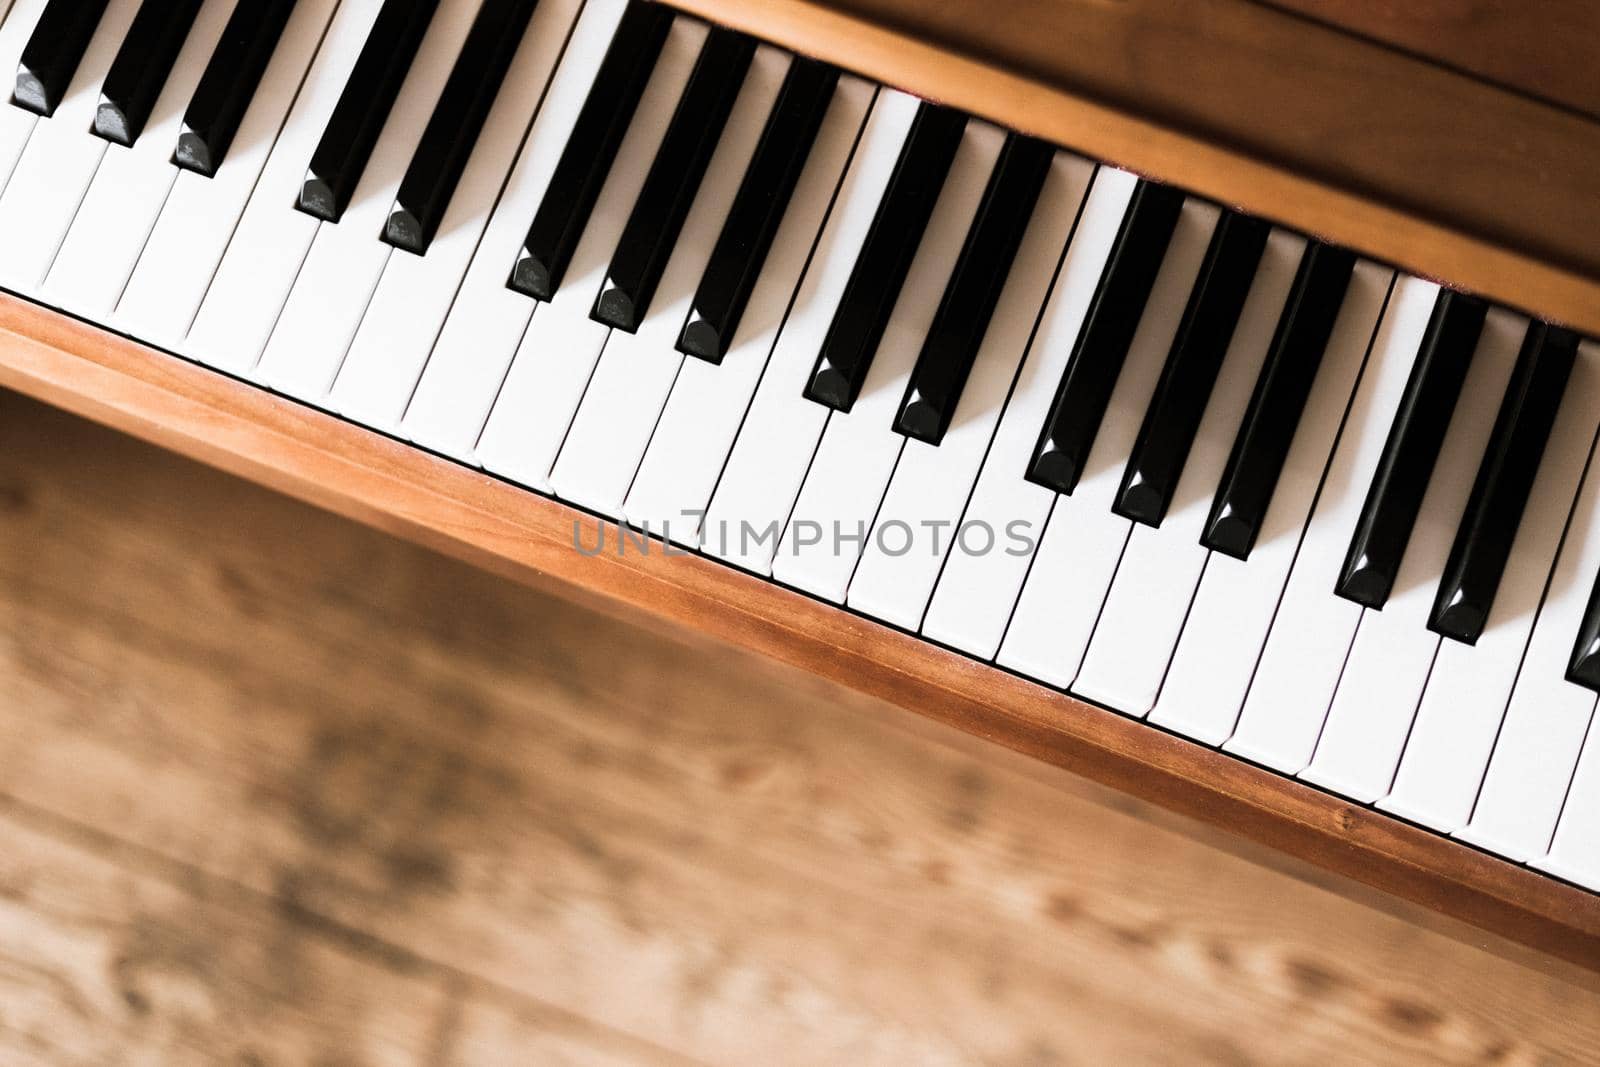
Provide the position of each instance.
(529, 538)
(1540, 48)
(1412, 162)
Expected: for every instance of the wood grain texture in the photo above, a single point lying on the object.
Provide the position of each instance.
(531, 539)
(1424, 167)
(104, 961)
(280, 789)
(1544, 48)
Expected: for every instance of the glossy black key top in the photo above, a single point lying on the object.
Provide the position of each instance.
(1505, 478)
(974, 289)
(140, 71)
(1102, 344)
(1584, 667)
(757, 210)
(457, 119)
(673, 179)
(1390, 512)
(229, 82)
(363, 108)
(1170, 423)
(1267, 430)
(885, 258)
(53, 52)
(586, 160)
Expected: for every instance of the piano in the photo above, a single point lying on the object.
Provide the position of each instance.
(972, 355)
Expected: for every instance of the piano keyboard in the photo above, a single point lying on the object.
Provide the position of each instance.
(1177, 461)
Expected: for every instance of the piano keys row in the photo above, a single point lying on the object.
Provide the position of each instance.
(1165, 456)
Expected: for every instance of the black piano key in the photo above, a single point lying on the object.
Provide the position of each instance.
(974, 289)
(586, 160)
(880, 269)
(1390, 511)
(1102, 344)
(457, 119)
(230, 81)
(140, 71)
(1170, 423)
(673, 179)
(1505, 478)
(1282, 387)
(1584, 667)
(363, 108)
(53, 52)
(757, 210)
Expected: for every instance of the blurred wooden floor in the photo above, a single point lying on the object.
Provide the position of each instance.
(276, 789)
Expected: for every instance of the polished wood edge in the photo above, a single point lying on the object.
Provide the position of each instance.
(1346, 213)
(529, 538)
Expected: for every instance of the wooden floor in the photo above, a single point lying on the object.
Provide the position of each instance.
(276, 789)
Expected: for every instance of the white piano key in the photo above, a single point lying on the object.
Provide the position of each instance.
(708, 401)
(974, 595)
(557, 354)
(1469, 688)
(16, 124)
(58, 163)
(931, 484)
(129, 187)
(481, 332)
(1539, 741)
(1530, 773)
(181, 256)
(1160, 569)
(859, 448)
(414, 295)
(780, 432)
(1083, 538)
(273, 238)
(1389, 662)
(636, 371)
(1575, 852)
(1311, 633)
(335, 284)
(1234, 606)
